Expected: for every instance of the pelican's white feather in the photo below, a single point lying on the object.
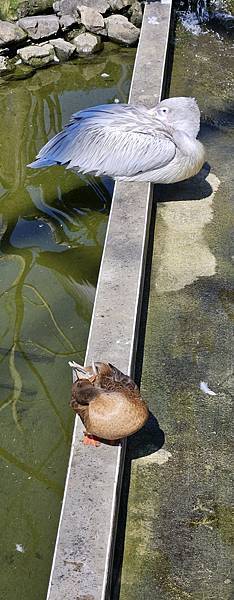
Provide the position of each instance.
(130, 142)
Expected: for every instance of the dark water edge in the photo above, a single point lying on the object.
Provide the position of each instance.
(52, 231)
(179, 520)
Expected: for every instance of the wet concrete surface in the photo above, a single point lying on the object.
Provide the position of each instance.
(179, 521)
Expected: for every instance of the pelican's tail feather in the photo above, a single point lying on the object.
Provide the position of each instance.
(65, 147)
(40, 163)
(57, 150)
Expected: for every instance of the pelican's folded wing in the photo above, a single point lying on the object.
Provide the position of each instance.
(114, 140)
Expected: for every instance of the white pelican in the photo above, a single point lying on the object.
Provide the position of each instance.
(130, 142)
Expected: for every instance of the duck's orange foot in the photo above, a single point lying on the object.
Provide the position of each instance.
(91, 440)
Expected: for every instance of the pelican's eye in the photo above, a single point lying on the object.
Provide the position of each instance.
(163, 110)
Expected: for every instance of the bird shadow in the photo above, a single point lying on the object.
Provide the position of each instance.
(143, 443)
(194, 188)
(146, 441)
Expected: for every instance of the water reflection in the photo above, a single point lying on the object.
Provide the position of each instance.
(52, 228)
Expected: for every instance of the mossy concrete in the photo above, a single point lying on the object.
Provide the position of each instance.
(180, 520)
(180, 517)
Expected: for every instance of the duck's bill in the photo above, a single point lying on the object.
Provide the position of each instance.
(83, 372)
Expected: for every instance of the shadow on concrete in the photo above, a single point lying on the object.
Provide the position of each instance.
(194, 188)
(146, 441)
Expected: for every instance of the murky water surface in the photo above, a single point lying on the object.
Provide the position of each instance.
(178, 539)
(52, 231)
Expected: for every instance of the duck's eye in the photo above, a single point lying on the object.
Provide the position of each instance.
(164, 110)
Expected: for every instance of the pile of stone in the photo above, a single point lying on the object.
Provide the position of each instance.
(76, 28)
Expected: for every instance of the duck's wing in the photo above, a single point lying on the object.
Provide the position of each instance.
(118, 377)
(115, 139)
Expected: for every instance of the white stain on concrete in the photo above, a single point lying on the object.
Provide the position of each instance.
(184, 237)
(160, 457)
(153, 21)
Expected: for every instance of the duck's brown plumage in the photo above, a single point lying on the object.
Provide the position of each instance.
(108, 402)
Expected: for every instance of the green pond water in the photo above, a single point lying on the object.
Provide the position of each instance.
(52, 228)
(180, 521)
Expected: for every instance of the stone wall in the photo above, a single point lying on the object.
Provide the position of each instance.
(68, 28)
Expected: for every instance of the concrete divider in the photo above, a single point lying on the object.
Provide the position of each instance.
(82, 563)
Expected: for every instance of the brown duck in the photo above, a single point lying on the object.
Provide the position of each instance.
(108, 402)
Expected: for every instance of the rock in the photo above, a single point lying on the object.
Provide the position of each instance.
(100, 5)
(92, 20)
(221, 6)
(4, 51)
(66, 7)
(87, 43)
(5, 66)
(40, 27)
(3, 63)
(11, 33)
(69, 7)
(135, 13)
(63, 50)
(72, 33)
(68, 21)
(120, 30)
(37, 56)
(32, 7)
(117, 5)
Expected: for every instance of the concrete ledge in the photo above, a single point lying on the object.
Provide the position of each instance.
(83, 555)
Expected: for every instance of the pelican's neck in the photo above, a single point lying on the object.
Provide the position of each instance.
(184, 141)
